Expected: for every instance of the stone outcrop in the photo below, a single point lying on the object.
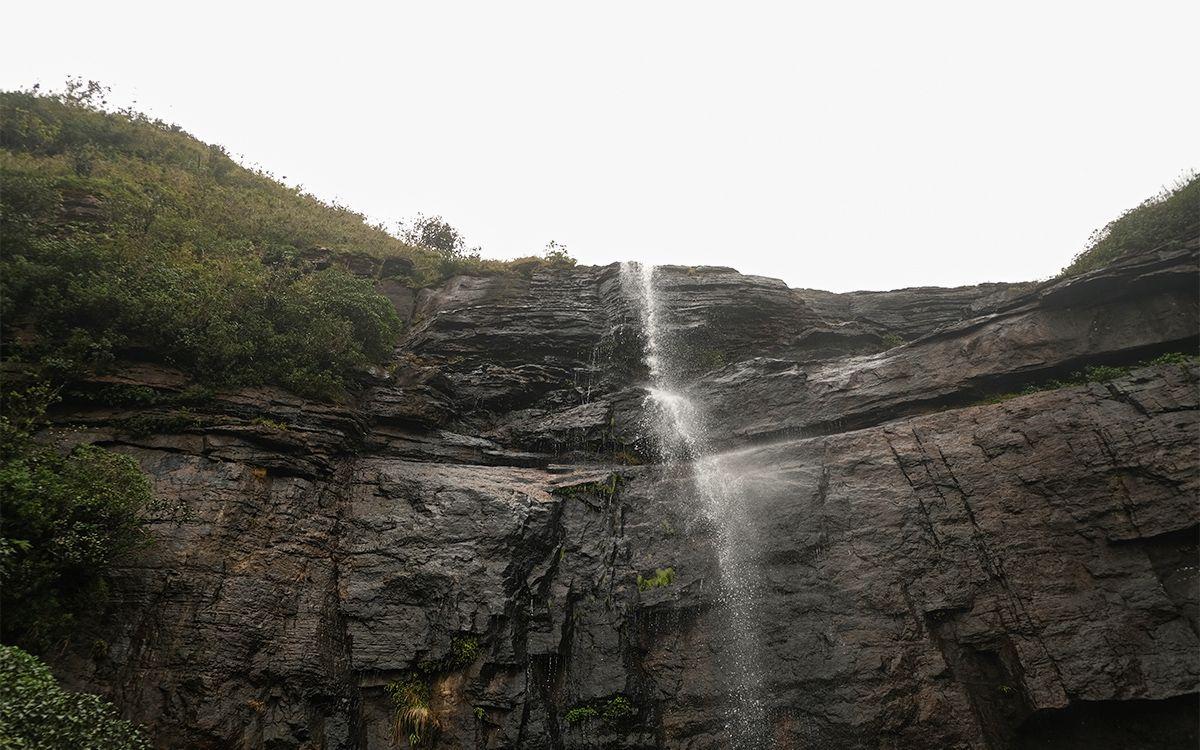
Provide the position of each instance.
(910, 313)
(936, 570)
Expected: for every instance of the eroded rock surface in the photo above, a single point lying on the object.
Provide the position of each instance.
(934, 571)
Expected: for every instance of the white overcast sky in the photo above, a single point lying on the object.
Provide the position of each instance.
(839, 145)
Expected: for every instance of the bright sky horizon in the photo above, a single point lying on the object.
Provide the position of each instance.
(841, 146)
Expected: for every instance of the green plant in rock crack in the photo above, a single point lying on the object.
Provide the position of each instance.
(891, 341)
(414, 719)
(613, 711)
(661, 577)
(271, 424)
(464, 650)
(617, 709)
(581, 713)
(1093, 374)
(607, 487)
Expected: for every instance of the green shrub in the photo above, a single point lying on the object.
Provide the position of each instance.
(1102, 373)
(37, 714)
(272, 424)
(152, 423)
(614, 710)
(710, 359)
(464, 650)
(1165, 221)
(617, 709)
(435, 234)
(223, 315)
(557, 256)
(581, 713)
(661, 577)
(68, 517)
(891, 340)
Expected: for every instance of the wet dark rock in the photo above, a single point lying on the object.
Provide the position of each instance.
(1116, 315)
(934, 571)
(910, 313)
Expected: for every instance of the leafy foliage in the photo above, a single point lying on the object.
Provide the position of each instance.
(414, 719)
(67, 518)
(1105, 373)
(37, 714)
(617, 709)
(661, 577)
(581, 713)
(464, 650)
(435, 234)
(892, 340)
(1165, 221)
(557, 256)
(613, 711)
(165, 248)
(1174, 358)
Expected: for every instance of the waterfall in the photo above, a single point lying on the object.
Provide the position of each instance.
(677, 424)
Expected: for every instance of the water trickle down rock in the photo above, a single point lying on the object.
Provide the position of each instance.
(681, 436)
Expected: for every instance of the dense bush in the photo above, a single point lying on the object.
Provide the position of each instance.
(37, 714)
(1166, 221)
(661, 577)
(68, 515)
(126, 236)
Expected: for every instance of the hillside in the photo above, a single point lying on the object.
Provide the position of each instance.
(125, 237)
(1167, 221)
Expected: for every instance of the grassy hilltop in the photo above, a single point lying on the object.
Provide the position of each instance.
(124, 236)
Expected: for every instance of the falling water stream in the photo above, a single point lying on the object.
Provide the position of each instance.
(678, 427)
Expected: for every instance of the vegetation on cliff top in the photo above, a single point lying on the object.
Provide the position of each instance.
(125, 237)
(1163, 222)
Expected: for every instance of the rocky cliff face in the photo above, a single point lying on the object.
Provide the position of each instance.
(934, 570)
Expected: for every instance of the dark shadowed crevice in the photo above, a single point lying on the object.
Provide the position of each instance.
(1175, 557)
(1171, 724)
(990, 674)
